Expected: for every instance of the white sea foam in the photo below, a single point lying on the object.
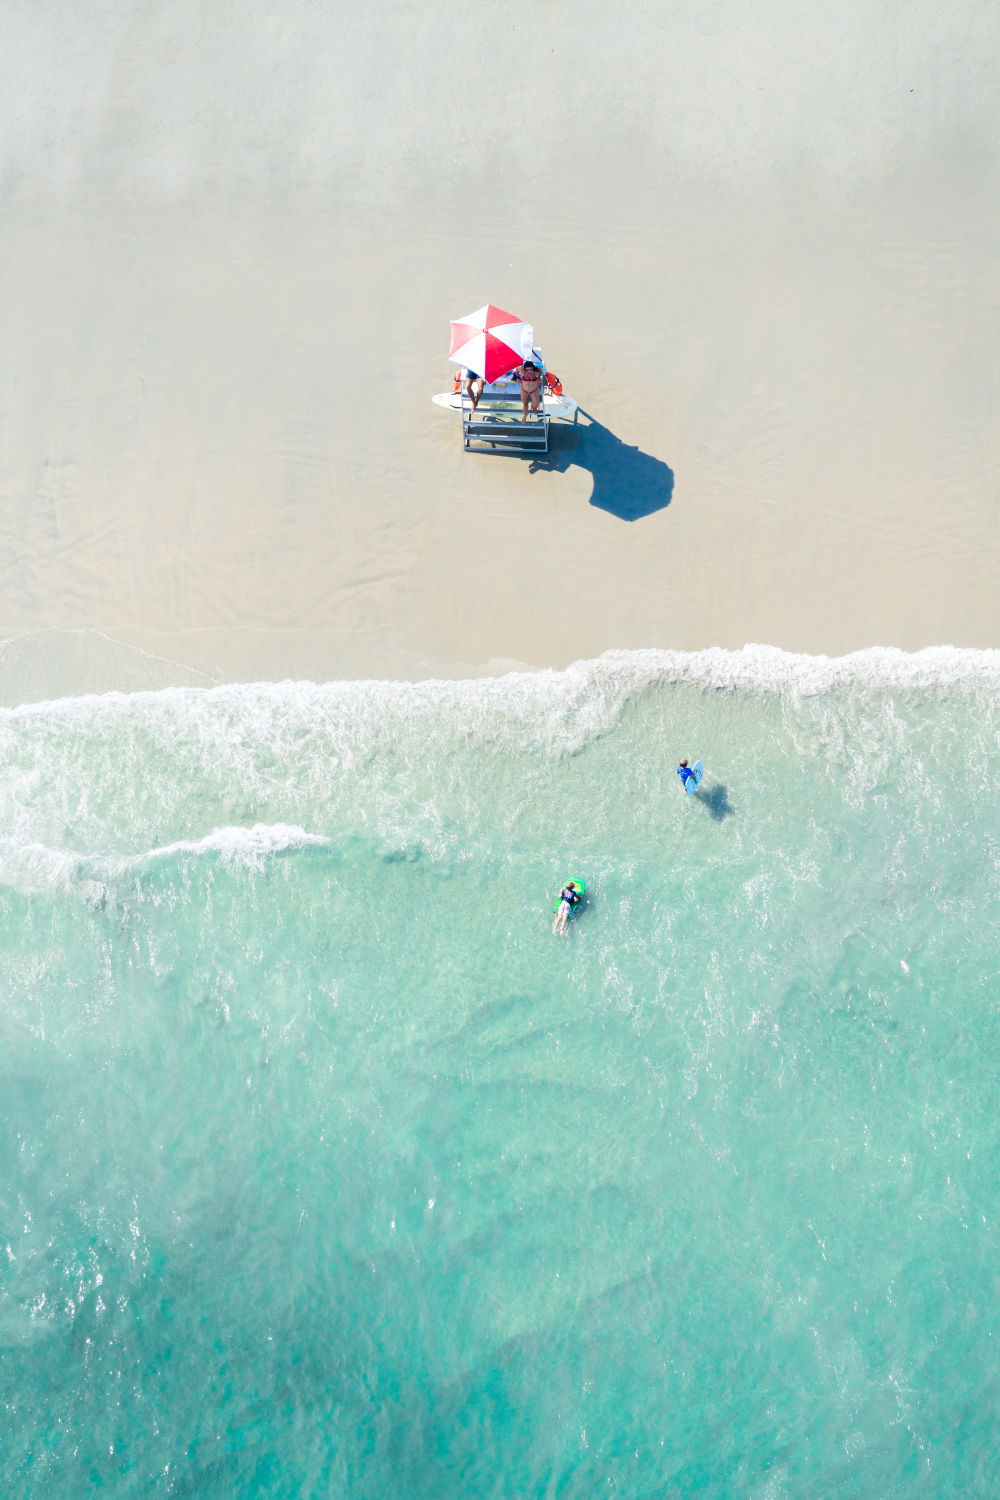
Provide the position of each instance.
(753, 667)
(244, 770)
(32, 868)
(245, 846)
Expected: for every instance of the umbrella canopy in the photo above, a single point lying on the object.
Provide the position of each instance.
(490, 341)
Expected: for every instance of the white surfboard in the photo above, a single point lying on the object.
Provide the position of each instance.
(555, 406)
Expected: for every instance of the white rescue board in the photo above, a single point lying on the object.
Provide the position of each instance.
(555, 406)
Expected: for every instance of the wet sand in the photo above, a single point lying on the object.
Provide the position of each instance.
(759, 248)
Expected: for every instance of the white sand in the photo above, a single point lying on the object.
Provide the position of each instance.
(758, 242)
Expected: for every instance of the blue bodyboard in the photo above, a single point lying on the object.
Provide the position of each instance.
(694, 780)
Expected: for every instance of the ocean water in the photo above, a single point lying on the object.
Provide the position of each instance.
(327, 1170)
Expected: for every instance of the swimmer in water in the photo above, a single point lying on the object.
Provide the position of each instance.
(569, 897)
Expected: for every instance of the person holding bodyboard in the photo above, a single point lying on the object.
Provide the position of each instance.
(690, 775)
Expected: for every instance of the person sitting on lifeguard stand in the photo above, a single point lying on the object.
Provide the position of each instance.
(473, 385)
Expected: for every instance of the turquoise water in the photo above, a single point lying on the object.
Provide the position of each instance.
(326, 1169)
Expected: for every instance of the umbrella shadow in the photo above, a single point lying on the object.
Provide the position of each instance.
(717, 801)
(628, 483)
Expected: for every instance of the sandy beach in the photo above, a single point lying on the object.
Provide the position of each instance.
(758, 245)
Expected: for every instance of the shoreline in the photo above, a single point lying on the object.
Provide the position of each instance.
(47, 664)
(754, 667)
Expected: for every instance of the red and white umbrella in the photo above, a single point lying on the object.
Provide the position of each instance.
(490, 342)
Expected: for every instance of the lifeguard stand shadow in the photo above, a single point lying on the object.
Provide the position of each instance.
(628, 483)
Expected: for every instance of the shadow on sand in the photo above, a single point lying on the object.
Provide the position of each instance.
(717, 801)
(628, 483)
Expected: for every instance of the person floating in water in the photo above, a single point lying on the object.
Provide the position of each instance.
(685, 772)
(569, 897)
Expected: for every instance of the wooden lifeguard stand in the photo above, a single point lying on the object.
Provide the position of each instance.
(499, 426)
